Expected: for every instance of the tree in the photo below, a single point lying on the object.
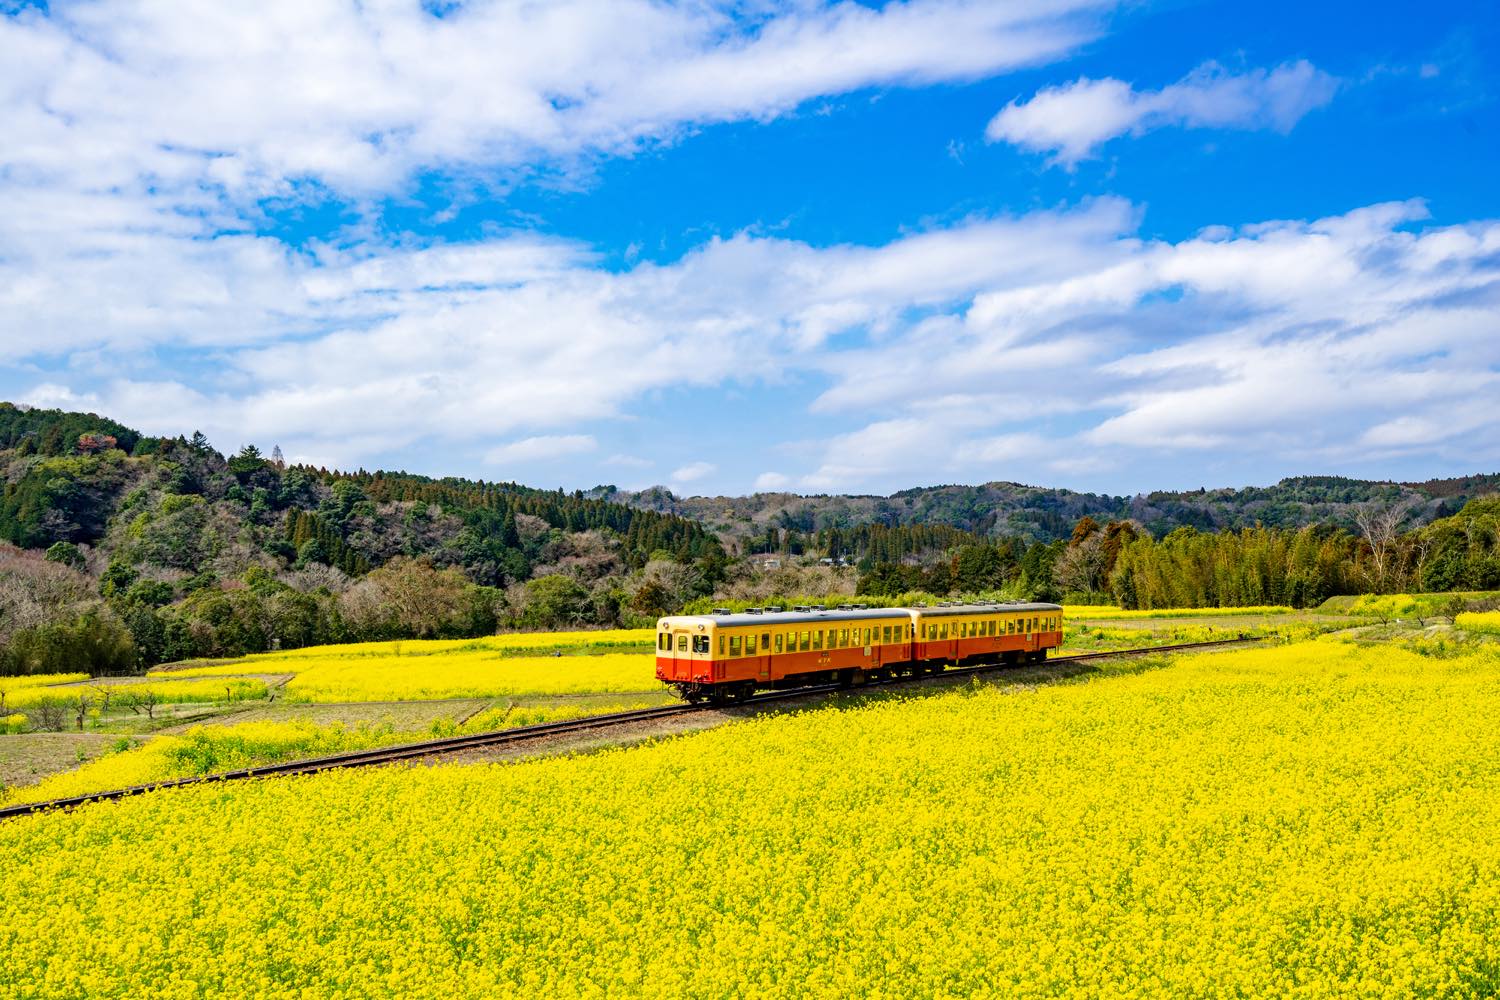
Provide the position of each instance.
(95, 441)
(1381, 524)
(554, 601)
(143, 699)
(66, 553)
(1085, 527)
(1083, 567)
(247, 461)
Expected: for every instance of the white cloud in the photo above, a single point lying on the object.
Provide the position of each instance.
(771, 482)
(543, 447)
(1073, 120)
(249, 99)
(693, 471)
(995, 348)
(1330, 342)
(628, 462)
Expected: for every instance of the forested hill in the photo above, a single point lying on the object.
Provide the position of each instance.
(80, 478)
(765, 521)
(198, 553)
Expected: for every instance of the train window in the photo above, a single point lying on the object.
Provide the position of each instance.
(778, 642)
(721, 645)
(682, 643)
(817, 638)
(833, 635)
(924, 630)
(734, 645)
(749, 645)
(661, 641)
(765, 641)
(805, 641)
(885, 633)
(869, 636)
(700, 643)
(843, 637)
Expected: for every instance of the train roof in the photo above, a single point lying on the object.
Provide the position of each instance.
(941, 610)
(795, 617)
(731, 620)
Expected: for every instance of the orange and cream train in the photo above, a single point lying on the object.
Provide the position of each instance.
(726, 656)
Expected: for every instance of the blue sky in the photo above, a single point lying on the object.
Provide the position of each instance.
(766, 245)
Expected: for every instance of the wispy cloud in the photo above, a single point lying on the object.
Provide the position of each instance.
(543, 447)
(1073, 120)
(693, 471)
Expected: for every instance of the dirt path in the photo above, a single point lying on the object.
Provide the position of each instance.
(26, 758)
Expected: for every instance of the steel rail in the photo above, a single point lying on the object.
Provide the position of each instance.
(519, 734)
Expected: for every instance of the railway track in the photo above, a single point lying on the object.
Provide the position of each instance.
(521, 734)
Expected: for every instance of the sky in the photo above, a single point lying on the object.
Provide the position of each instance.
(765, 244)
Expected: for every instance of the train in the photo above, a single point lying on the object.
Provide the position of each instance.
(727, 656)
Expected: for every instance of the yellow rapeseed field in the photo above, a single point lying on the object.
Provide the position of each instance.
(428, 647)
(1479, 621)
(1102, 611)
(494, 666)
(193, 690)
(475, 674)
(208, 749)
(1314, 820)
(11, 687)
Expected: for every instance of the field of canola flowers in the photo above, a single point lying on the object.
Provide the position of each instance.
(1305, 820)
(211, 749)
(51, 689)
(1487, 622)
(1103, 612)
(494, 666)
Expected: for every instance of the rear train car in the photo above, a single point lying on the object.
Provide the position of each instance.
(986, 633)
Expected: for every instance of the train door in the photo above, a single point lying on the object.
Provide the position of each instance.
(872, 646)
(682, 657)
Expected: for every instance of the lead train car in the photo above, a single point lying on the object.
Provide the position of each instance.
(723, 656)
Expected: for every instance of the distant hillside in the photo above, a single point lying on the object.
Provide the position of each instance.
(999, 510)
(163, 548)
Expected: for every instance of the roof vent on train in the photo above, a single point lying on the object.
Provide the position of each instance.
(773, 608)
(722, 611)
(803, 608)
(752, 611)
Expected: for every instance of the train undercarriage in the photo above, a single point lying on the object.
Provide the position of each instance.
(737, 692)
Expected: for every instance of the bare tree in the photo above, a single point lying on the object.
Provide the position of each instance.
(105, 693)
(1381, 524)
(144, 700)
(81, 709)
(48, 715)
(1083, 565)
